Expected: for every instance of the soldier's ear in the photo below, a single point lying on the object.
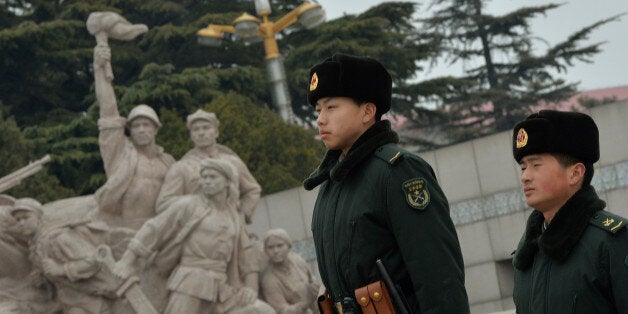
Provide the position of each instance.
(370, 110)
(577, 173)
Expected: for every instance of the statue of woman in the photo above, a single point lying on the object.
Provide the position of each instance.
(288, 285)
(202, 241)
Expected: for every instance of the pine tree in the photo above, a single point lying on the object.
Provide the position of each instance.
(512, 78)
(45, 71)
(386, 32)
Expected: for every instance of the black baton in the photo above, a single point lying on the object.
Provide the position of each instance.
(391, 287)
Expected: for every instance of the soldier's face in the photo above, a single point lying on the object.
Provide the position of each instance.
(203, 133)
(212, 182)
(547, 184)
(340, 122)
(143, 131)
(277, 250)
(27, 223)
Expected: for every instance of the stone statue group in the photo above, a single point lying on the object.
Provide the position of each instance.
(160, 236)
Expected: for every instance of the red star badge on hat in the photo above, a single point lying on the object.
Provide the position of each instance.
(314, 82)
(522, 138)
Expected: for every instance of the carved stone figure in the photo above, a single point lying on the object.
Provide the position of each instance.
(110, 24)
(13, 249)
(22, 290)
(66, 256)
(55, 265)
(14, 178)
(135, 167)
(288, 285)
(202, 237)
(183, 177)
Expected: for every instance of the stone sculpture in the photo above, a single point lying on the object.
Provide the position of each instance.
(14, 178)
(135, 167)
(202, 238)
(66, 257)
(110, 24)
(62, 263)
(61, 257)
(21, 289)
(183, 177)
(288, 285)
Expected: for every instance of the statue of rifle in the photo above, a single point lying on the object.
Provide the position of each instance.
(15, 178)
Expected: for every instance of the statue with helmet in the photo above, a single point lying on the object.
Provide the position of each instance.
(184, 176)
(135, 166)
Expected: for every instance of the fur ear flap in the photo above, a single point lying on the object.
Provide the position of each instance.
(562, 235)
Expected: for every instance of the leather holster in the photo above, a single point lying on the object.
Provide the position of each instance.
(325, 304)
(374, 299)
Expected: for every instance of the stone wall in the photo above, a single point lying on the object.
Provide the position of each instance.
(481, 181)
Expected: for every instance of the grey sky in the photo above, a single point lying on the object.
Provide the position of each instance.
(609, 68)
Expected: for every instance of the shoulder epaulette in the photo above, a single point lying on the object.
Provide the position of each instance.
(608, 221)
(389, 153)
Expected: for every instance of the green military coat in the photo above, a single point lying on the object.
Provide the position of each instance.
(383, 202)
(579, 264)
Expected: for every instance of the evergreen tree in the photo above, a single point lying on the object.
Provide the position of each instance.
(386, 32)
(279, 155)
(16, 152)
(511, 79)
(45, 71)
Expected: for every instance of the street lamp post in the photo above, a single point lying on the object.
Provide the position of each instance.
(251, 29)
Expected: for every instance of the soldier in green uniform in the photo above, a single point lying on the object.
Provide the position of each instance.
(573, 256)
(376, 200)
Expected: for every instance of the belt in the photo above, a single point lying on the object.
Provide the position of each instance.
(347, 306)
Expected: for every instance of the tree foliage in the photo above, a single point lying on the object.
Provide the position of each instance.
(386, 32)
(16, 152)
(46, 79)
(279, 155)
(45, 68)
(512, 76)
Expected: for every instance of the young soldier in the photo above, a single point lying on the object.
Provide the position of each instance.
(572, 257)
(376, 200)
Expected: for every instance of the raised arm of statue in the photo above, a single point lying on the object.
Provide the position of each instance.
(105, 25)
(102, 83)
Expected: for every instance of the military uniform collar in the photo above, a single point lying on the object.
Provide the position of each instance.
(562, 235)
(331, 167)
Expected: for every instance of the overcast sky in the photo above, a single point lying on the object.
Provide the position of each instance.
(609, 68)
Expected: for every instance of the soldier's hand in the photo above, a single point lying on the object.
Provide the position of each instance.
(51, 268)
(303, 306)
(124, 267)
(247, 295)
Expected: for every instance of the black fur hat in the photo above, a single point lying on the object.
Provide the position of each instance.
(342, 75)
(550, 131)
